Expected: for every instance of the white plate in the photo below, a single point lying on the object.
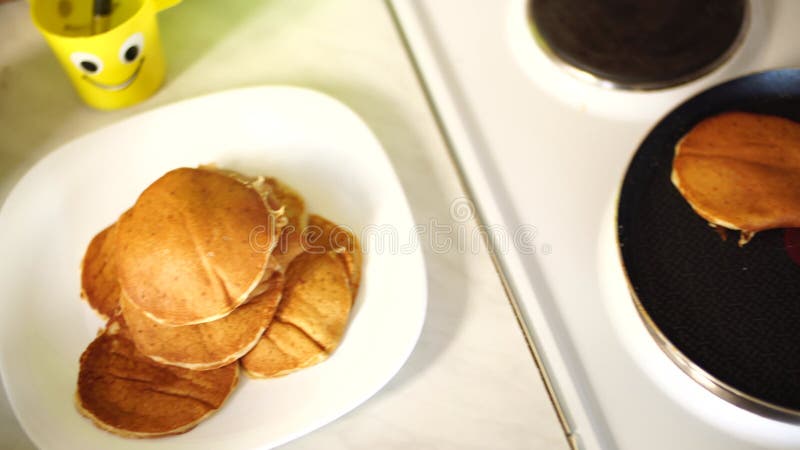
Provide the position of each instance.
(311, 141)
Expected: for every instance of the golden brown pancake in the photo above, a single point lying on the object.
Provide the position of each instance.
(287, 207)
(324, 235)
(288, 210)
(310, 321)
(126, 393)
(293, 204)
(207, 345)
(293, 209)
(99, 286)
(194, 247)
(256, 183)
(318, 298)
(741, 171)
(282, 350)
(290, 246)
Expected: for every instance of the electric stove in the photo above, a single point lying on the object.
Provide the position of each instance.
(543, 118)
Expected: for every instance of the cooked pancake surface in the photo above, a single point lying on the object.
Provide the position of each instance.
(126, 393)
(208, 267)
(317, 298)
(282, 350)
(310, 321)
(291, 201)
(288, 210)
(741, 171)
(324, 235)
(207, 345)
(256, 183)
(99, 285)
(186, 254)
(290, 244)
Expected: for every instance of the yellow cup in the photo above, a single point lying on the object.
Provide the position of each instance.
(110, 69)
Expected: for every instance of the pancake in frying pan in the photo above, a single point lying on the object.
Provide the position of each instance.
(741, 171)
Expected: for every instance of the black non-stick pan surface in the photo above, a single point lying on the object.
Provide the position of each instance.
(732, 312)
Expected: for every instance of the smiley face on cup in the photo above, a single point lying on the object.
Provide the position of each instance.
(112, 69)
(114, 72)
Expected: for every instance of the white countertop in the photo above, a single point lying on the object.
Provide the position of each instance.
(471, 382)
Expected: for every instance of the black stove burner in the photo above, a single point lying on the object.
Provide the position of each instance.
(732, 312)
(640, 44)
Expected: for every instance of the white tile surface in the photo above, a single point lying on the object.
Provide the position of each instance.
(471, 382)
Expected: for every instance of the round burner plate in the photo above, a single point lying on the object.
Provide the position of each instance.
(639, 44)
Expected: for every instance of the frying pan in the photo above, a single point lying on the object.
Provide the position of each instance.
(727, 316)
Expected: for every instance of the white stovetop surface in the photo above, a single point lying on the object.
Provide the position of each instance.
(540, 161)
(471, 382)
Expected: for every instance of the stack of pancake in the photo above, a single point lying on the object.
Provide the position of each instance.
(209, 270)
